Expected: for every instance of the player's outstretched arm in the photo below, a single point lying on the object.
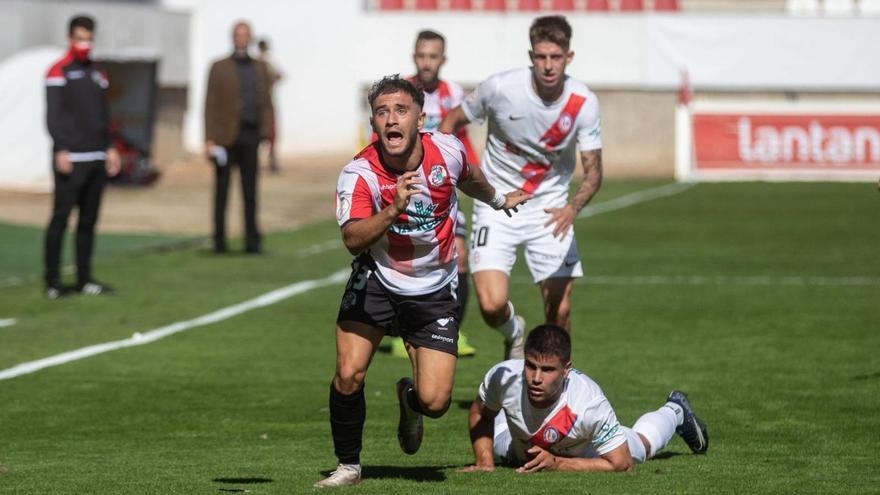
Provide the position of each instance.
(477, 187)
(359, 235)
(564, 217)
(618, 459)
(453, 121)
(481, 423)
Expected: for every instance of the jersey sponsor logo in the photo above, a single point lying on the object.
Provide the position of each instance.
(76, 74)
(448, 340)
(385, 187)
(421, 219)
(515, 117)
(570, 263)
(438, 175)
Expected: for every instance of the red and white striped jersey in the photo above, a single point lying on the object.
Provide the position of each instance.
(532, 145)
(417, 254)
(580, 424)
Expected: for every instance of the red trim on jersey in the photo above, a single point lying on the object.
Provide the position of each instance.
(400, 247)
(57, 69)
(361, 201)
(564, 123)
(554, 430)
(440, 196)
(534, 173)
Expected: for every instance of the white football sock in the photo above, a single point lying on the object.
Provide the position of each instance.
(508, 328)
(659, 426)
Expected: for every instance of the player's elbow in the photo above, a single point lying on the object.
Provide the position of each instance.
(622, 465)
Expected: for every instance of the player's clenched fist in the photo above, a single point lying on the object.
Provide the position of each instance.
(406, 187)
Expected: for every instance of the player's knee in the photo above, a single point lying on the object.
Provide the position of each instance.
(434, 404)
(435, 408)
(349, 379)
(494, 310)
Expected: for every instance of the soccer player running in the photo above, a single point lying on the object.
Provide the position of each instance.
(396, 206)
(538, 119)
(441, 97)
(540, 414)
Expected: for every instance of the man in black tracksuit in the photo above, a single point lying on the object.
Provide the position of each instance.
(83, 156)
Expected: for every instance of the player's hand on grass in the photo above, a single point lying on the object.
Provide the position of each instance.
(113, 163)
(562, 217)
(542, 460)
(62, 162)
(406, 187)
(479, 468)
(513, 199)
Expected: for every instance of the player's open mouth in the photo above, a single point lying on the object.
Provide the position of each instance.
(394, 137)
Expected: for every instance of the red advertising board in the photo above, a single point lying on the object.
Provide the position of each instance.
(798, 145)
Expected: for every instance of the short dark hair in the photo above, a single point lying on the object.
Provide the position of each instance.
(427, 35)
(549, 340)
(552, 28)
(82, 21)
(393, 84)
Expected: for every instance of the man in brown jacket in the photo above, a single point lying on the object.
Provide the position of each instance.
(238, 116)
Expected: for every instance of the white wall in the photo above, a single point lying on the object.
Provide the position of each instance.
(330, 49)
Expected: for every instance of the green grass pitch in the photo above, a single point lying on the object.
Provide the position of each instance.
(762, 301)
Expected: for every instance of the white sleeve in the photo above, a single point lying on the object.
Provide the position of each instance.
(353, 200)
(493, 386)
(589, 135)
(476, 104)
(600, 419)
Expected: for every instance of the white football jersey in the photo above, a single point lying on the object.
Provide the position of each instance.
(580, 424)
(531, 145)
(439, 102)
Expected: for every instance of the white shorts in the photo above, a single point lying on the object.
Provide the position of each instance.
(495, 238)
(503, 450)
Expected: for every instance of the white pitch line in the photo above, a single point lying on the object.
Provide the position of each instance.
(720, 280)
(635, 198)
(7, 322)
(150, 336)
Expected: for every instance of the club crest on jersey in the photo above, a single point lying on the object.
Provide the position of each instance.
(438, 175)
(565, 122)
(551, 435)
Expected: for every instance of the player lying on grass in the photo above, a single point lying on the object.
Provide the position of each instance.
(563, 421)
(396, 206)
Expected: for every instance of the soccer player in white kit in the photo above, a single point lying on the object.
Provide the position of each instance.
(538, 120)
(539, 413)
(396, 206)
(441, 97)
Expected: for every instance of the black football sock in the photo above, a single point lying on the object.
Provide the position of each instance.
(347, 416)
(461, 293)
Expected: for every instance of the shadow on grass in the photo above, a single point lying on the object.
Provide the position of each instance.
(242, 481)
(869, 376)
(431, 474)
(464, 404)
(662, 456)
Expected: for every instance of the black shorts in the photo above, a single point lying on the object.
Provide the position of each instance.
(428, 320)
